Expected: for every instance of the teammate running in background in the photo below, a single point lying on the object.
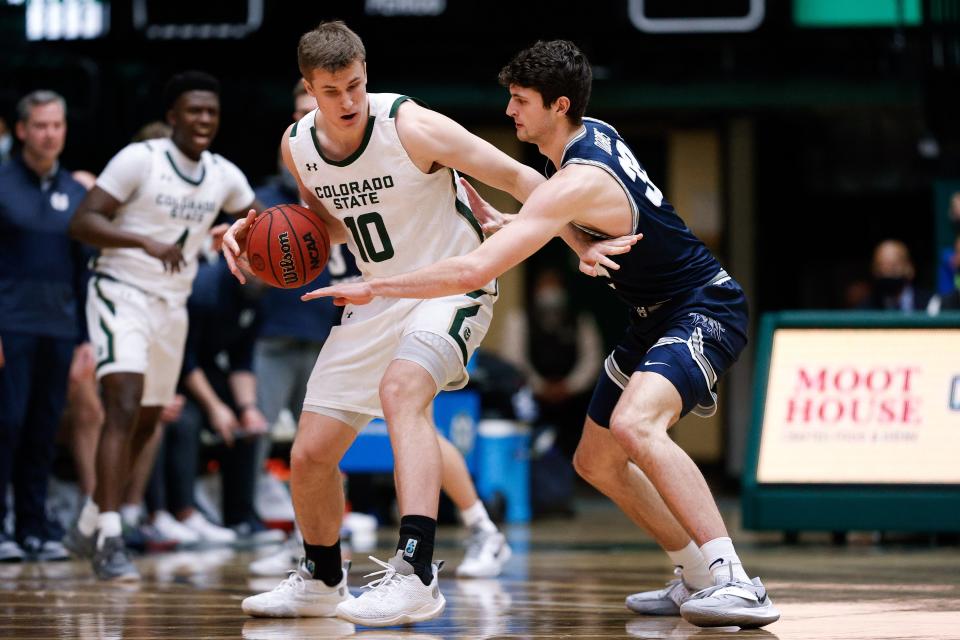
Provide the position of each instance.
(149, 213)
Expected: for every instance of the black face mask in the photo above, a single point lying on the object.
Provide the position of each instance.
(889, 287)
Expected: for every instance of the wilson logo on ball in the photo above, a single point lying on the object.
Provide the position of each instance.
(288, 246)
(288, 268)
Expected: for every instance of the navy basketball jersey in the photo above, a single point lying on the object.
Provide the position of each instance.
(669, 260)
(342, 266)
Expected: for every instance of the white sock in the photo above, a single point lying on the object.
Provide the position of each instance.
(476, 517)
(693, 566)
(131, 514)
(109, 525)
(722, 560)
(87, 522)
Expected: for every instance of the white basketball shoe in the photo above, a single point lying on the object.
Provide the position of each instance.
(731, 603)
(299, 596)
(397, 597)
(487, 553)
(661, 602)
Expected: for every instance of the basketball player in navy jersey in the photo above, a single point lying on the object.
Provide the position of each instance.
(688, 322)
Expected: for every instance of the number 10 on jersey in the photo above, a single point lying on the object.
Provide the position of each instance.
(363, 228)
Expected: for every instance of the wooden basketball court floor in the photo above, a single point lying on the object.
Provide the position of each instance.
(567, 579)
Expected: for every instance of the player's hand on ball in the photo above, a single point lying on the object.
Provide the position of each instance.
(169, 254)
(343, 294)
(235, 243)
(594, 257)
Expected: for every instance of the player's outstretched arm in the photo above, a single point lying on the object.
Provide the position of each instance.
(430, 137)
(91, 225)
(549, 208)
(592, 252)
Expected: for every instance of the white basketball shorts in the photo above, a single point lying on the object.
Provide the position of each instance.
(355, 356)
(135, 332)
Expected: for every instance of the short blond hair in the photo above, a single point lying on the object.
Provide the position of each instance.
(331, 46)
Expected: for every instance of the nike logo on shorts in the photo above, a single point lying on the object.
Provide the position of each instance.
(649, 362)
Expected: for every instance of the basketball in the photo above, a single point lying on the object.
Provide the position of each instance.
(287, 246)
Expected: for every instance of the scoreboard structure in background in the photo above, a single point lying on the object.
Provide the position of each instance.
(856, 423)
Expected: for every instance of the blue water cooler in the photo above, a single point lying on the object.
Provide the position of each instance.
(455, 413)
(503, 466)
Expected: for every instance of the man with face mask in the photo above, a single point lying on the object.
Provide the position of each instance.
(893, 275)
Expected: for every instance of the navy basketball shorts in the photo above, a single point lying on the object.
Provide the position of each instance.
(690, 340)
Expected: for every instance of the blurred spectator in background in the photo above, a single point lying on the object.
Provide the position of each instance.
(559, 349)
(39, 265)
(6, 142)
(893, 278)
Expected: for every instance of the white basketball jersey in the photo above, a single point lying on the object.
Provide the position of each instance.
(169, 206)
(398, 218)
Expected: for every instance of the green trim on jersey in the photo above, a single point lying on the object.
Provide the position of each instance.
(110, 357)
(106, 300)
(458, 319)
(173, 164)
(399, 101)
(108, 277)
(483, 292)
(353, 156)
(464, 209)
(293, 132)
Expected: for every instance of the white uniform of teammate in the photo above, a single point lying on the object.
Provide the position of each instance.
(136, 312)
(398, 219)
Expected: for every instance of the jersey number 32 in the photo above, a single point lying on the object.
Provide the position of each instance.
(633, 169)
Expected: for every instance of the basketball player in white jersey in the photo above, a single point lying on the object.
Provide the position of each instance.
(487, 550)
(381, 171)
(149, 213)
